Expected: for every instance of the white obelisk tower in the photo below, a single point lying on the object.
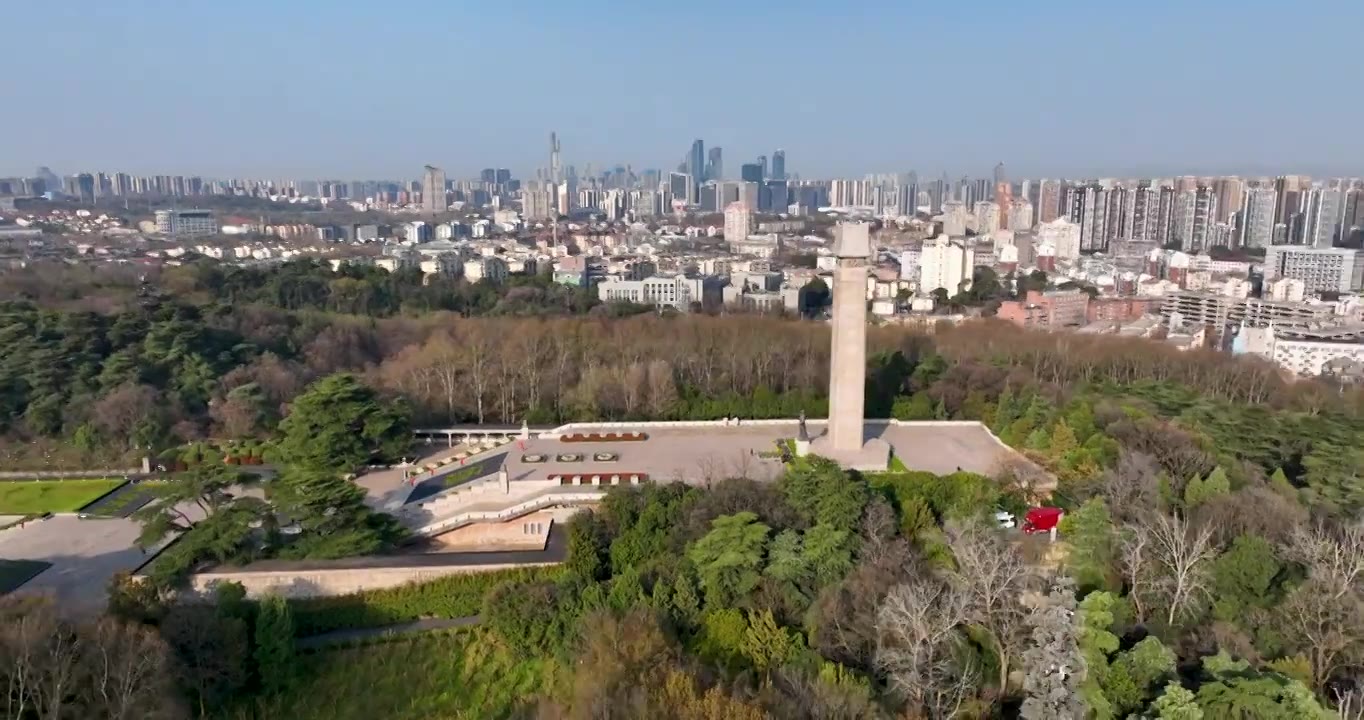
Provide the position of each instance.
(848, 359)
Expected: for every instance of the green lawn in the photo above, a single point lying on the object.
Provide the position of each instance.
(131, 499)
(459, 674)
(25, 497)
(14, 573)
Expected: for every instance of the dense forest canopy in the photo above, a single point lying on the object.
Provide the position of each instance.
(1209, 564)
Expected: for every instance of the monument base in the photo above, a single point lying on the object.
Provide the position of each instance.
(873, 456)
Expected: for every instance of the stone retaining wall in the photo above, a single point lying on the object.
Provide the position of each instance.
(340, 581)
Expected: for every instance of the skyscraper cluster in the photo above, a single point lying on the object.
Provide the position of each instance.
(1199, 214)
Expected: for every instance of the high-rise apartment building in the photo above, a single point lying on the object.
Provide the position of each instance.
(1230, 193)
(852, 193)
(1204, 218)
(1020, 216)
(1089, 210)
(1290, 189)
(1325, 208)
(1165, 216)
(1062, 235)
(680, 187)
(1352, 223)
(1118, 220)
(1145, 213)
(1186, 202)
(987, 217)
(738, 222)
(945, 264)
(1003, 194)
(538, 201)
(1049, 197)
(1258, 220)
(433, 191)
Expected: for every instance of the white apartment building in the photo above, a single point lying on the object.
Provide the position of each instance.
(674, 291)
(398, 261)
(1306, 356)
(987, 217)
(447, 264)
(490, 268)
(1320, 269)
(1062, 235)
(945, 264)
(738, 222)
(186, 223)
(1020, 215)
(954, 218)
(1286, 289)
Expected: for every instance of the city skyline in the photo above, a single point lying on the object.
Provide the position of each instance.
(1070, 105)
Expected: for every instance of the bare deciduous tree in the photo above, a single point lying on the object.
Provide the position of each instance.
(1181, 554)
(54, 667)
(993, 574)
(1334, 557)
(122, 409)
(127, 669)
(1349, 701)
(1136, 564)
(1130, 488)
(918, 641)
(1327, 626)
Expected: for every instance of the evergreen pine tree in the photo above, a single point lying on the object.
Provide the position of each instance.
(275, 643)
(1280, 484)
(1062, 440)
(686, 603)
(1005, 411)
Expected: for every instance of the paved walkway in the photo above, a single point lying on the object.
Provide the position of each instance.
(338, 637)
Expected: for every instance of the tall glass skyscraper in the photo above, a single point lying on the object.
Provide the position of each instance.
(698, 162)
(779, 165)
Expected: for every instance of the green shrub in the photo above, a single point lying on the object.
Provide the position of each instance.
(448, 597)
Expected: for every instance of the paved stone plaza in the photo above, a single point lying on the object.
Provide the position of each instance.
(84, 554)
(698, 455)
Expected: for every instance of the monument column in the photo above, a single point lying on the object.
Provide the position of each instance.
(848, 356)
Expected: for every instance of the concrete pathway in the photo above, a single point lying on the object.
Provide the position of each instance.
(339, 637)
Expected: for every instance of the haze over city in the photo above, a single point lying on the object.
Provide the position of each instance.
(358, 89)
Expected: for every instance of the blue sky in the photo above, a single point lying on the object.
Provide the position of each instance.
(367, 89)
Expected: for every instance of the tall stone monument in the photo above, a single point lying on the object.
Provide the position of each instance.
(844, 439)
(848, 357)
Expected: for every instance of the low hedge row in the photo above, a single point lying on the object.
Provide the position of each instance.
(448, 597)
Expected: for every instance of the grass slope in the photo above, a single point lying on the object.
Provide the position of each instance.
(452, 675)
(43, 496)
